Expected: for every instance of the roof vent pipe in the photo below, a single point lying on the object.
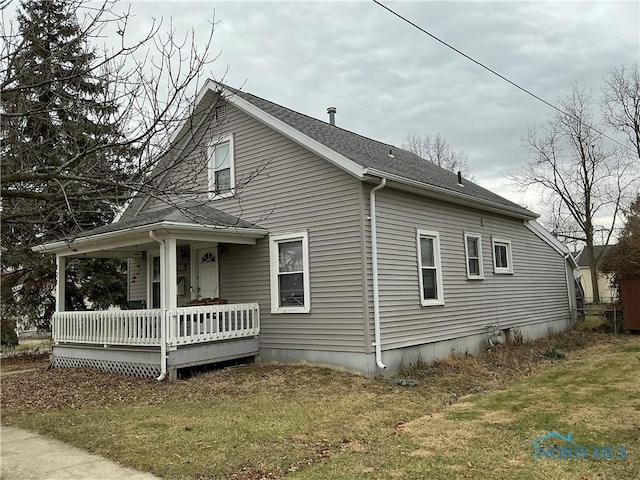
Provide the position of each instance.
(460, 178)
(332, 115)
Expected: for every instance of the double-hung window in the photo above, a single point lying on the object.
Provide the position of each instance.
(221, 168)
(155, 282)
(502, 262)
(430, 269)
(289, 265)
(473, 251)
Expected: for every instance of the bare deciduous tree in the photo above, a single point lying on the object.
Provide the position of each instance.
(437, 150)
(84, 129)
(583, 180)
(621, 103)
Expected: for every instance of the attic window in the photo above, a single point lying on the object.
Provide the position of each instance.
(221, 168)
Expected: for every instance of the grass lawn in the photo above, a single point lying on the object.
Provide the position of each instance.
(469, 417)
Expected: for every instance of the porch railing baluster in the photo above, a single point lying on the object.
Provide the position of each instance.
(207, 323)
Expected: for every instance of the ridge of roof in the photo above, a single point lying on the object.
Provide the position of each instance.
(377, 156)
(351, 132)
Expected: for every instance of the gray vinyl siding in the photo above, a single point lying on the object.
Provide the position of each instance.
(535, 293)
(137, 279)
(295, 191)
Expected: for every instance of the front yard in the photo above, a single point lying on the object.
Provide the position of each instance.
(469, 417)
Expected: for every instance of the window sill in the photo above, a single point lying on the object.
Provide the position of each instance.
(218, 196)
(431, 303)
(503, 272)
(290, 310)
(475, 277)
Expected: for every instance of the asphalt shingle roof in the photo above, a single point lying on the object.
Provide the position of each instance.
(188, 213)
(374, 154)
(598, 250)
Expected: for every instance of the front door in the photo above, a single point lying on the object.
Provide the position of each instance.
(208, 273)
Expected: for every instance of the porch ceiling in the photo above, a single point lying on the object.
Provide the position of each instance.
(128, 237)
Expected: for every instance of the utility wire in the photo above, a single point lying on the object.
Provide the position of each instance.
(498, 74)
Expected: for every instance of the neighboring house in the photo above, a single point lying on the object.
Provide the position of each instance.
(607, 294)
(340, 250)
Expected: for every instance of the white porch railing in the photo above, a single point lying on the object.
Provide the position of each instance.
(188, 325)
(215, 322)
(111, 327)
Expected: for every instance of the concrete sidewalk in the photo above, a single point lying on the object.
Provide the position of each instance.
(25, 455)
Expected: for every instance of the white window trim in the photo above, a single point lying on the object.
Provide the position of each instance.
(274, 240)
(466, 252)
(502, 270)
(211, 172)
(438, 265)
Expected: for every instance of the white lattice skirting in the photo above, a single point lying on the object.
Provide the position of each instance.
(123, 368)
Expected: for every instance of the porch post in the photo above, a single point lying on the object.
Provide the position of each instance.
(171, 279)
(61, 264)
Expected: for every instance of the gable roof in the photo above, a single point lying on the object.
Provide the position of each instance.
(598, 250)
(364, 157)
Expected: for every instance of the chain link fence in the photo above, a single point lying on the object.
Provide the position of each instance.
(606, 316)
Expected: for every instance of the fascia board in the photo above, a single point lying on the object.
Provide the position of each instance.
(140, 234)
(295, 135)
(177, 134)
(550, 240)
(449, 196)
(209, 85)
(103, 242)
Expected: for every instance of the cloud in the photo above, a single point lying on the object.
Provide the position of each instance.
(388, 79)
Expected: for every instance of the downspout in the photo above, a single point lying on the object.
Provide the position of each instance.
(374, 262)
(572, 302)
(163, 323)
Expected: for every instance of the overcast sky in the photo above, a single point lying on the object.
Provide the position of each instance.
(388, 79)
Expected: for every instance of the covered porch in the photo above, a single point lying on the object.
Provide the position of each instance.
(176, 316)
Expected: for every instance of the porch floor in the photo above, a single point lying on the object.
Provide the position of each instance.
(144, 361)
(129, 341)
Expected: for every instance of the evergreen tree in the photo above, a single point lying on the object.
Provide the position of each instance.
(63, 160)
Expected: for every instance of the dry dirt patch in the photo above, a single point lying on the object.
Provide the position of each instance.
(24, 362)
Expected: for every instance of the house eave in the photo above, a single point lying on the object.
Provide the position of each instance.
(440, 193)
(292, 133)
(550, 240)
(140, 234)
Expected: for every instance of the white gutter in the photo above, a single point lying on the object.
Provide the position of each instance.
(374, 261)
(175, 227)
(163, 310)
(454, 197)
